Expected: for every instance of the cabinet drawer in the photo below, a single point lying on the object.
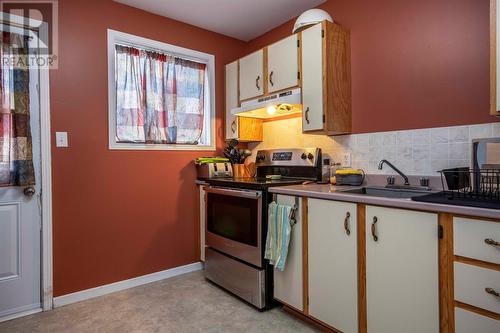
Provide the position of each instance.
(469, 239)
(467, 322)
(470, 284)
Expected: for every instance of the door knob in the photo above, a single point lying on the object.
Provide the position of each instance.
(29, 191)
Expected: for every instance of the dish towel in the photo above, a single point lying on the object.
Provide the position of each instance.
(278, 235)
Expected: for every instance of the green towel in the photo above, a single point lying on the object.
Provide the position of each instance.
(278, 235)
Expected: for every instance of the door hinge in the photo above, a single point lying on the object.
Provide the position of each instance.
(322, 33)
(324, 119)
(440, 232)
(298, 75)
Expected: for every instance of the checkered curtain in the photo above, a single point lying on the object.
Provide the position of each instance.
(159, 97)
(16, 156)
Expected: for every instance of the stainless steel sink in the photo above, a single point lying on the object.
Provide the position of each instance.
(402, 192)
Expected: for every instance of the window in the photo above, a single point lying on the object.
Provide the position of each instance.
(161, 96)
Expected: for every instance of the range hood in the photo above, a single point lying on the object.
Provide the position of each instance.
(275, 105)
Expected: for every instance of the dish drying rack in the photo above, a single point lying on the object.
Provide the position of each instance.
(471, 184)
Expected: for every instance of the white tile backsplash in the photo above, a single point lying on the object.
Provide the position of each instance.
(416, 152)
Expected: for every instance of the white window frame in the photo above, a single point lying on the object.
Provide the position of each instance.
(117, 37)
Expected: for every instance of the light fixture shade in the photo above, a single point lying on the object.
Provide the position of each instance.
(310, 17)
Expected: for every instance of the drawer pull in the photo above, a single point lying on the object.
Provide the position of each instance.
(257, 82)
(271, 78)
(491, 291)
(346, 223)
(233, 126)
(307, 115)
(374, 229)
(491, 242)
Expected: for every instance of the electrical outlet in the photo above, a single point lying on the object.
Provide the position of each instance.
(61, 139)
(346, 159)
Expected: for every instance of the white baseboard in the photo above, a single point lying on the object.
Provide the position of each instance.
(125, 284)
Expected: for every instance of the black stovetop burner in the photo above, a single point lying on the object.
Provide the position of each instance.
(254, 183)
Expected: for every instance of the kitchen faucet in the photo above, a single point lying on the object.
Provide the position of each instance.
(381, 164)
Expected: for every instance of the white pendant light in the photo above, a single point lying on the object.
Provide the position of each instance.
(310, 17)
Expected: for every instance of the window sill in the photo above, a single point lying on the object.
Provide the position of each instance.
(152, 147)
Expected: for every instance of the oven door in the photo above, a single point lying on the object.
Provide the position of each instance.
(234, 223)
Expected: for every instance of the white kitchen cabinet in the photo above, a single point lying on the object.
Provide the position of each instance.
(283, 64)
(288, 285)
(470, 322)
(326, 79)
(470, 239)
(251, 76)
(401, 271)
(333, 263)
(231, 100)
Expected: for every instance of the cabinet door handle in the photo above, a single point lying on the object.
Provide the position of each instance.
(492, 291)
(233, 126)
(257, 82)
(307, 115)
(491, 242)
(374, 229)
(271, 78)
(346, 223)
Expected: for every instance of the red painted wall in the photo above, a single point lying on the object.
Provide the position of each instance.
(415, 64)
(118, 214)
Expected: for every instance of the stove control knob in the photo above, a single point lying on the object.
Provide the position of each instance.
(260, 158)
(310, 156)
(303, 156)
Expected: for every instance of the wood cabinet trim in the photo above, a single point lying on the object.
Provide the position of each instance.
(305, 255)
(477, 310)
(476, 262)
(446, 284)
(317, 323)
(362, 315)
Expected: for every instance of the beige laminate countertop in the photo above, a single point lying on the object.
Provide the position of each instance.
(331, 192)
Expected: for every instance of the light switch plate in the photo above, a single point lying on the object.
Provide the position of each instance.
(62, 139)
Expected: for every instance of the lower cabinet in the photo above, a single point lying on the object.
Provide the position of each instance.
(401, 271)
(469, 322)
(288, 285)
(333, 265)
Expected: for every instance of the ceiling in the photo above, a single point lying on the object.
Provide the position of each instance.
(241, 19)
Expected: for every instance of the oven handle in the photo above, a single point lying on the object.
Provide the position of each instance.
(234, 193)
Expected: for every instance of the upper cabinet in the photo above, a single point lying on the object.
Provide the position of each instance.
(252, 75)
(283, 64)
(307, 72)
(494, 58)
(326, 79)
(240, 128)
(231, 100)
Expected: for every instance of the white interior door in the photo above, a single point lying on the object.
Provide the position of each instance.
(20, 224)
(283, 64)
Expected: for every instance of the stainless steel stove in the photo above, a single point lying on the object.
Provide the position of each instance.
(236, 222)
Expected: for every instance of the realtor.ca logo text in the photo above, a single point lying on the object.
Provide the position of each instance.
(29, 33)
